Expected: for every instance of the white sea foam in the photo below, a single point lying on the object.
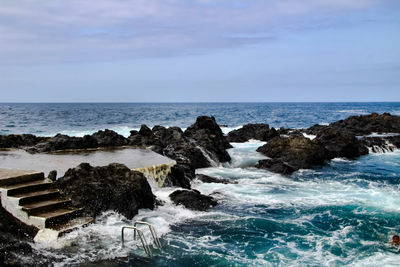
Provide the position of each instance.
(309, 136)
(226, 130)
(353, 111)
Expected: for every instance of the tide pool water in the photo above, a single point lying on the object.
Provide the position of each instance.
(340, 214)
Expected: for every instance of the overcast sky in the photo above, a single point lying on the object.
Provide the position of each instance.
(199, 50)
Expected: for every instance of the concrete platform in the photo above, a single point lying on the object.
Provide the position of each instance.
(131, 157)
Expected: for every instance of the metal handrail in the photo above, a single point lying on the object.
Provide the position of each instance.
(152, 231)
(141, 236)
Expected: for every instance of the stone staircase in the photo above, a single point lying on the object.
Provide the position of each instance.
(28, 196)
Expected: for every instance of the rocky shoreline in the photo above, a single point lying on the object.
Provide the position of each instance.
(115, 187)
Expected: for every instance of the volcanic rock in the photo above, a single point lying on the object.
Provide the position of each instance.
(193, 200)
(340, 143)
(209, 179)
(275, 165)
(19, 140)
(367, 124)
(109, 138)
(180, 175)
(14, 238)
(207, 134)
(297, 152)
(260, 132)
(112, 187)
(144, 137)
(106, 138)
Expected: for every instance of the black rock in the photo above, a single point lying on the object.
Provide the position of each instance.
(340, 143)
(275, 165)
(367, 124)
(209, 179)
(173, 144)
(106, 138)
(52, 175)
(192, 200)
(16, 140)
(109, 138)
(297, 152)
(252, 131)
(15, 237)
(180, 175)
(112, 187)
(207, 134)
(144, 137)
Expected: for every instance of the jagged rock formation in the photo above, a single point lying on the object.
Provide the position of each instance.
(209, 179)
(112, 187)
(106, 138)
(297, 152)
(193, 200)
(258, 131)
(344, 138)
(16, 140)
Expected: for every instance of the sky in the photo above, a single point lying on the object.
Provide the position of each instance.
(199, 50)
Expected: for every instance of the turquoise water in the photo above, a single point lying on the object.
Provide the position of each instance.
(341, 214)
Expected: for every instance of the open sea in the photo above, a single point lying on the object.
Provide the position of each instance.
(341, 214)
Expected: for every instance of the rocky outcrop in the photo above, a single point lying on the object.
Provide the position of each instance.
(275, 165)
(112, 187)
(296, 152)
(207, 134)
(106, 138)
(366, 124)
(14, 240)
(209, 179)
(193, 200)
(180, 176)
(20, 140)
(145, 137)
(340, 143)
(109, 138)
(259, 131)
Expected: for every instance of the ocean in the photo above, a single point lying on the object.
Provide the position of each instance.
(340, 214)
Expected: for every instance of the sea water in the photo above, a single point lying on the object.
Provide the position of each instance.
(343, 213)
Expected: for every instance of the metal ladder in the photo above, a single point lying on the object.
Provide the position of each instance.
(146, 247)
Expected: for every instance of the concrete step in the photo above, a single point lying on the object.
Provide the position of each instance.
(59, 216)
(10, 177)
(71, 225)
(27, 187)
(46, 205)
(37, 196)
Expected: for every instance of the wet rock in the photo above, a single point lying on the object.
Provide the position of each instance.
(208, 135)
(144, 137)
(52, 175)
(193, 200)
(259, 131)
(316, 129)
(275, 165)
(340, 143)
(180, 175)
(381, 144)
(106, 138)
(14, 241)
(367, 124)
(20, 140)
(247, 132)
(112, 187)
(109, 138)
(173, 144)
(209, 179)
(297, 152)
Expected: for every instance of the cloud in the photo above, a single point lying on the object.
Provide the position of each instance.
(59, 30)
